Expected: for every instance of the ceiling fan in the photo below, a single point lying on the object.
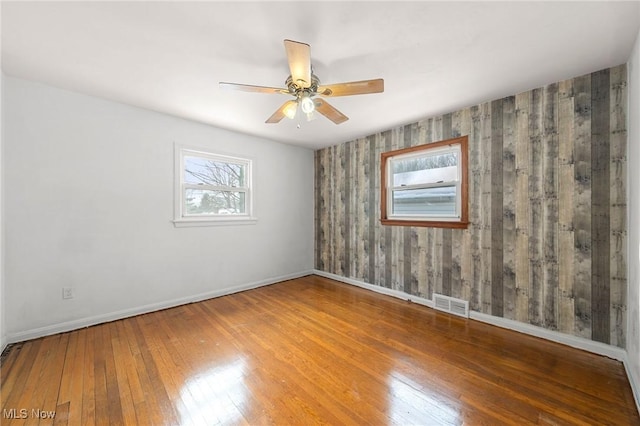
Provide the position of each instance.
(305, 86)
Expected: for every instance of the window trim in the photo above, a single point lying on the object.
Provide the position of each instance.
(463, 221)
(184, 220)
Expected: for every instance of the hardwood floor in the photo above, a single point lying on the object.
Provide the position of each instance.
(308, 351)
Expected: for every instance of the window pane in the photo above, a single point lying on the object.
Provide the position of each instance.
(431, 201)
(198, 201)
(198, 170)
(428, 169)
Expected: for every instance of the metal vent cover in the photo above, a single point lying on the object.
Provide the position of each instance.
(451, 305)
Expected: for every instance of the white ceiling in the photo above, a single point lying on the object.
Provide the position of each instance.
(435, 57)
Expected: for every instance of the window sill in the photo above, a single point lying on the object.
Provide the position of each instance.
(186, 223)
(425, 223)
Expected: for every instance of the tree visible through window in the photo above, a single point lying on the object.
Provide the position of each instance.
(213, 186)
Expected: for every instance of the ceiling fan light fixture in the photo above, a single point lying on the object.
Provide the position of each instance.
(306, 103)
(290, 110)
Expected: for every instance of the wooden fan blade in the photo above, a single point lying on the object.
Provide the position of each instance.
(279, 114)
(330, 112)
(352, 88)
(251, 88)
(299, 56)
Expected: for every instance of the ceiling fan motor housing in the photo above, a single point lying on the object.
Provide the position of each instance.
(297, 91)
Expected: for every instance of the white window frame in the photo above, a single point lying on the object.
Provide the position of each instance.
(459, 219)
(182, 219)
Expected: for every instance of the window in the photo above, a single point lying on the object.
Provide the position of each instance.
(426, 185)
(212, 189)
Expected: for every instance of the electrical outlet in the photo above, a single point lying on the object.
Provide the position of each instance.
(67, 293)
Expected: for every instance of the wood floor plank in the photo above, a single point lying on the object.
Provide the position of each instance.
(20, 361)
(123, 355)
(88, 401)
(77, 382)
(36, 387)
(102, 415)
(160, 408)
(309, 351)
(67, 374)
(51, 381)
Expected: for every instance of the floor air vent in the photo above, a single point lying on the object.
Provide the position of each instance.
(449, 304)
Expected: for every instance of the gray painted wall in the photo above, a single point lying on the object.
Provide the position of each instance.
(548, 234)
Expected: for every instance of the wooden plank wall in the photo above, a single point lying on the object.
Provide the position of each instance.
(547, 240)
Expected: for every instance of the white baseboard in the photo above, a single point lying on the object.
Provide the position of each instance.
(125, 313)
(573, 341)
(376, 288)
(565, 339)
(554, 336)
(635, 386)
